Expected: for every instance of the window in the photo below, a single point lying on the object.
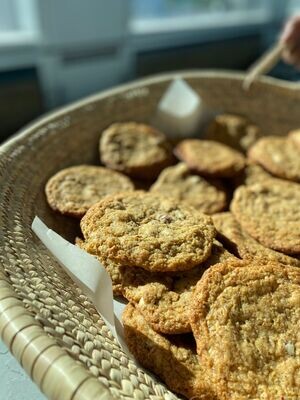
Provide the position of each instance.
(171, 15)
(294, 6)
(169, 8)
(17, 17)
(8, 20)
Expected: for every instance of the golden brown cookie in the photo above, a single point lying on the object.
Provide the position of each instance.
(242, 244)
(270, 213)
(172, 358)
(294, 136)
(252, 174)
(135, 149)
(277, 155)
(115, 271)
(72, 191)
(149, 231)
(179, 182)
(234, 131)
(210, 158)
(245, 319)
(164, 300)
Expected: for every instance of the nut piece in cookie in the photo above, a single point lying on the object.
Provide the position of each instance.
(210, 158)
(172, 358)
(245, 319)
(234, 131)
(270, 213)
(182, 184)
(149, 231)
(231, 233)
(72, 191)
(164, 300)
(135, 149)
(278, 155)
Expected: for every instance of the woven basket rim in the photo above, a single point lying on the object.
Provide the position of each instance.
(26, 339)
(16, 323)
(212, 74)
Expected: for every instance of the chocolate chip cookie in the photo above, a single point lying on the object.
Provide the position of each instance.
(149, 231)
(278, 155)
(179, 182)
(234, 131)
(115, 271)
(210, 158)
(270, 213)
(230, 232)
(164, 300)
(252, 174)
(72, 191)
(173, 358)
(245, 319)
(137, 150)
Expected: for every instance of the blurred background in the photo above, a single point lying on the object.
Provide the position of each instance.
(55, 51)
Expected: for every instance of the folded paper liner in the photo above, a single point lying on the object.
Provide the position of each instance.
(87, 272)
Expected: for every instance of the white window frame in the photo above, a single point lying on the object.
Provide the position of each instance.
(154, 33)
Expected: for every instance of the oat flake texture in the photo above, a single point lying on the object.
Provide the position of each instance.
(149, 231)
(270, 213)
(245, 319)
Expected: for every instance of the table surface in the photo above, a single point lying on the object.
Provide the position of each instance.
(14, 382)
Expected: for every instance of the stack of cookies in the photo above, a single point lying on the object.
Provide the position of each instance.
(207, 254)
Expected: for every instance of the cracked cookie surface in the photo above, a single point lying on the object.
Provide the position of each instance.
(135, 149)
(179, 182)
(115, 271)
(210, 158)
(245, 319)
(72, 191)
(165, 301)
(234, 131)
(149, 231)
(252, 174)
(278, 155)
(270, 213)
(230, 231)
(173, 357)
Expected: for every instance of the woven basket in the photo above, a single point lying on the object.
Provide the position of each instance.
(47, 323)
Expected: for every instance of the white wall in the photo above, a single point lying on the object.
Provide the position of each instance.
(83, 47)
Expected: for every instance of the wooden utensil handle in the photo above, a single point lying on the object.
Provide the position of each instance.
(264, 64)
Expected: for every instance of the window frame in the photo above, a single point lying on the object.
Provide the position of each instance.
(149, 34)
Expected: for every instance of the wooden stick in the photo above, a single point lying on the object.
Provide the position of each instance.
(264, 64)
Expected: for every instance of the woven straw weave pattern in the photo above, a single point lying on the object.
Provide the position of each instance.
(48, 324)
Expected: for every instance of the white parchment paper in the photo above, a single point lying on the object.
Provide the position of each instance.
(88, 274)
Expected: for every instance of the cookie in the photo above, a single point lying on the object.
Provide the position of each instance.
(148, 230)
(277, 155)
(230, 231)
(270, 213)
(163, 300)
(294, 136)
(182, 184)
(234, 131)
(72, 191)
(245, 319)
(137, 150)
(252, 174)
(172, 358)
(210, 158)
(115, 271)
